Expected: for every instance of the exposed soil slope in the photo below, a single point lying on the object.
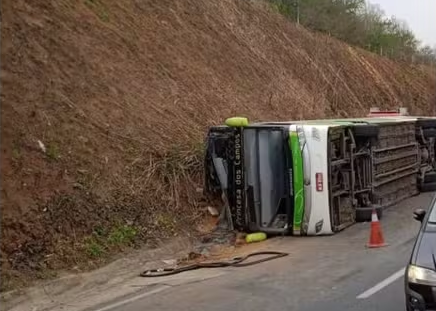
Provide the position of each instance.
(105, 105)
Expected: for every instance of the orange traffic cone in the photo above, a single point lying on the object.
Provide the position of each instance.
(376, 238)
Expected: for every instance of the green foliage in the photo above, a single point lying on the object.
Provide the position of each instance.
(98, 7)
(358, 23)
(94, 248)
(16, 151)
(52, 151)
(103, 240)
(122, 235)
(166, 223)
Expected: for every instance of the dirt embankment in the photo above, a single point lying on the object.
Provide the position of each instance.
(105, 105)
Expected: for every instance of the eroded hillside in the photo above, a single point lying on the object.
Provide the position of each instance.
(105, 105)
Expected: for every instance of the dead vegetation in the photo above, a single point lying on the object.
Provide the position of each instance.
(120, 94)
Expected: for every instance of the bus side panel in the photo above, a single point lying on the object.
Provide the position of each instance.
(319, 218)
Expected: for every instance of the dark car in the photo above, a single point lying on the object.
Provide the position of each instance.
(420, 278)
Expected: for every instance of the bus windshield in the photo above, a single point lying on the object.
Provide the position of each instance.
(266, 176)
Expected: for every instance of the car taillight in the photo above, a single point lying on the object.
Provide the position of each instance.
(319, 182)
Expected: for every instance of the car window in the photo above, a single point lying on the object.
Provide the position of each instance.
(432, 216)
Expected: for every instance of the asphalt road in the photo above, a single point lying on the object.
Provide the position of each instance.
(322, 273)
(327, 285)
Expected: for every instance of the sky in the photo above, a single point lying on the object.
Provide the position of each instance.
(420, 15)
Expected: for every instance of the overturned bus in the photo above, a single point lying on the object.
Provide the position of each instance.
(317, 177)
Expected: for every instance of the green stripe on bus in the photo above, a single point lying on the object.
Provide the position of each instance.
(298, 182)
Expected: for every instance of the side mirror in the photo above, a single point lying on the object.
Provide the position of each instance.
(419, 214)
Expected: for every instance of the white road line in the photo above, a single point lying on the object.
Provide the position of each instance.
(134, 298)
(382, 284)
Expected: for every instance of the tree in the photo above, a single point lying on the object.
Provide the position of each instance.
(358, 23)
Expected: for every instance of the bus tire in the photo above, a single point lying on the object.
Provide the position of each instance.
(428, 187)
(364, 214)
(366, 130)
(430, 177)
(426, 123)
(428, 133)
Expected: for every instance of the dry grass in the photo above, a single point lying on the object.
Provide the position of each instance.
(121, 94)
